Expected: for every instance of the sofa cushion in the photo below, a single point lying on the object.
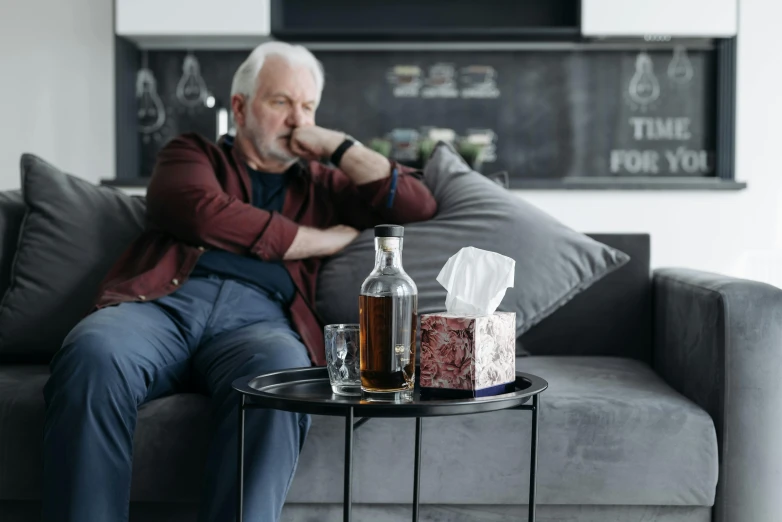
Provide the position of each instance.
(553, 262)
(170, 442)
(625, 295)
(72, 233)
(22, 410)
(611, 432)
(12, 210)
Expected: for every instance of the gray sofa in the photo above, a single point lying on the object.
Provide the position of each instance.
(662, 405)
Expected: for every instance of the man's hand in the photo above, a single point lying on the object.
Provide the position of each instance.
(313, 242)
(315, 143)
(361, 164)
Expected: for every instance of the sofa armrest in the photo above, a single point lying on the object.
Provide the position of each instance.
(718, 341)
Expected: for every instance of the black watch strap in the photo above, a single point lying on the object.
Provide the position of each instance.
(336, 156)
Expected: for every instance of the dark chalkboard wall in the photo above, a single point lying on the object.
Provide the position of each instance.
(549, 114)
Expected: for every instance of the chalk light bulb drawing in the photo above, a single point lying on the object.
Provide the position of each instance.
(680, 68)
(644, 87)
(191, 90)
(151, 111)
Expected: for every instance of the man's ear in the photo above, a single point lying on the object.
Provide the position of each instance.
(238, 106)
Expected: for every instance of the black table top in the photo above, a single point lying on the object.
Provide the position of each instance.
(307, 390)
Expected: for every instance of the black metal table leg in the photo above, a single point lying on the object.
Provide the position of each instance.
(347, 502)
(240, 463)
(533, 462)
(417, 477)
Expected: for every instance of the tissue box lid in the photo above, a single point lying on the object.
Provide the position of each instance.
(450, 315)
(468, 353)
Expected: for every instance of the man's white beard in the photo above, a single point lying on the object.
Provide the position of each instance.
(265, 149)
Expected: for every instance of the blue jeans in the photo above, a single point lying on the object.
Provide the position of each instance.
(203, 337)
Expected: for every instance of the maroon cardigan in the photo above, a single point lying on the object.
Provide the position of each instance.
(199, 198)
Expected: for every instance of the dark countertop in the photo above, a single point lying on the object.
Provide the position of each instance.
(582, 183)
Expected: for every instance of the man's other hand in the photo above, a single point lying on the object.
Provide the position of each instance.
(315, 143)
(313, 242)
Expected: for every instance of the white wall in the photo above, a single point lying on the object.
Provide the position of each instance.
(57, 86)
(737, 233)
(57, 101)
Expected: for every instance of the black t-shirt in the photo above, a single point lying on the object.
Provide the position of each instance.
(268, 193)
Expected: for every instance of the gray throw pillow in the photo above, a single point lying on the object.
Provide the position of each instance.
(71, 235)
(12, 211)
(553, 262)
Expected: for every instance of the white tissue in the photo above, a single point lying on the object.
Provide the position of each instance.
(476, 281)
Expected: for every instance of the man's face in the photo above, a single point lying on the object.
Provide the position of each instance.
(285, 99)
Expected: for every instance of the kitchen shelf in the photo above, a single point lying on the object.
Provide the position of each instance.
(627, 183)
(596, 183)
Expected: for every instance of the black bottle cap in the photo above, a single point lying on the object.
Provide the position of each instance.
(389, 231)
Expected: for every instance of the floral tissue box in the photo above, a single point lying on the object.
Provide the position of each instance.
(468, 356)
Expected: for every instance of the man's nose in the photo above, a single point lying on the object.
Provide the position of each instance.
(296, 117)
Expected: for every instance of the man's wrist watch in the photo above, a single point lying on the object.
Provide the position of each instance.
(336, 156)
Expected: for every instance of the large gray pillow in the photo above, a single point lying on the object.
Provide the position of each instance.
(71, 235)
(553, 262)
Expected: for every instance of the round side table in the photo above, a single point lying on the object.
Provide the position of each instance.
(307, 390)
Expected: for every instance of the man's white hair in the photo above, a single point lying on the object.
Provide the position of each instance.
(246, 77)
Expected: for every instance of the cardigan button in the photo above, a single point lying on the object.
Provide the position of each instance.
(142, 297)
(175, 281)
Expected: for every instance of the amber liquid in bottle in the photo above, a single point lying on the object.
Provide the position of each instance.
(387, 328)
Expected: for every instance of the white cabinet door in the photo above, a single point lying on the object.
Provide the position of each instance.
(683, 18)
(138, 18)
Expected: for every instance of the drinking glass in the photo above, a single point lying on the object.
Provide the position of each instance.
(342, 358)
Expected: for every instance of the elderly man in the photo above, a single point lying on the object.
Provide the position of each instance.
(220, 285)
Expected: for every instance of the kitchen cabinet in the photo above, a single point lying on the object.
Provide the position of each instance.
(674, 18)
(192, 21)
(424, 20)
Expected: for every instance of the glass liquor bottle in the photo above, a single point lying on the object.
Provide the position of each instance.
(388, 318)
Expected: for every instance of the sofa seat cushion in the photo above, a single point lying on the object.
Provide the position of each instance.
(170, 442)
(611, 433)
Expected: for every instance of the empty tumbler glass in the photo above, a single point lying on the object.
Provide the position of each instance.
(342, 358)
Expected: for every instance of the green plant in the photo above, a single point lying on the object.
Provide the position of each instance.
(425, 148)
(470, 152)
(381, 146)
